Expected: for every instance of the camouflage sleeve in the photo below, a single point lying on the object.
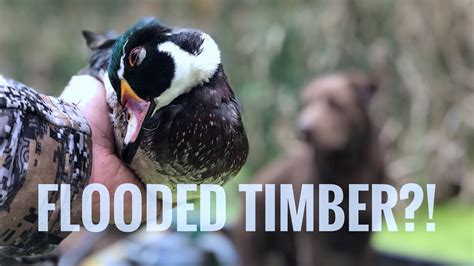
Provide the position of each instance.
(43, 140)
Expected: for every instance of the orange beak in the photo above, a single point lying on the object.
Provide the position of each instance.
(137, 110)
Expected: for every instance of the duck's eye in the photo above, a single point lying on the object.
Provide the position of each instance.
(136, 56)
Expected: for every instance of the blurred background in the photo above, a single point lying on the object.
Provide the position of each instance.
(421, 50)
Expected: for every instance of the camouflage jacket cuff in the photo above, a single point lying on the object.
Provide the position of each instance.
(43, 140)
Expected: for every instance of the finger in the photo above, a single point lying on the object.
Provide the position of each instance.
(108, 170)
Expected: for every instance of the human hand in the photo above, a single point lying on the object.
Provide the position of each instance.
(107, 168)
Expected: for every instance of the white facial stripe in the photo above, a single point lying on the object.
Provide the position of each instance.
(190, 70)
(122, 64)
(209, 59)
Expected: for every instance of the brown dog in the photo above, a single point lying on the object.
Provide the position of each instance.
(342, 149)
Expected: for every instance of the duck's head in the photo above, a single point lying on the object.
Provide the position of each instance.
(151, 65)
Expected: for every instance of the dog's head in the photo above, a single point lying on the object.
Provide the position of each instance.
(334, 112)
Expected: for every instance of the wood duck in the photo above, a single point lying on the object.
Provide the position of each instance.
(175, 116)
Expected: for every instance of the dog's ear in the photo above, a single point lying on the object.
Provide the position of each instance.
(98, 41)
(364, 87)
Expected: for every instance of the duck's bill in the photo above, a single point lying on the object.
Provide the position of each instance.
(138, 111)
(136, 117)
